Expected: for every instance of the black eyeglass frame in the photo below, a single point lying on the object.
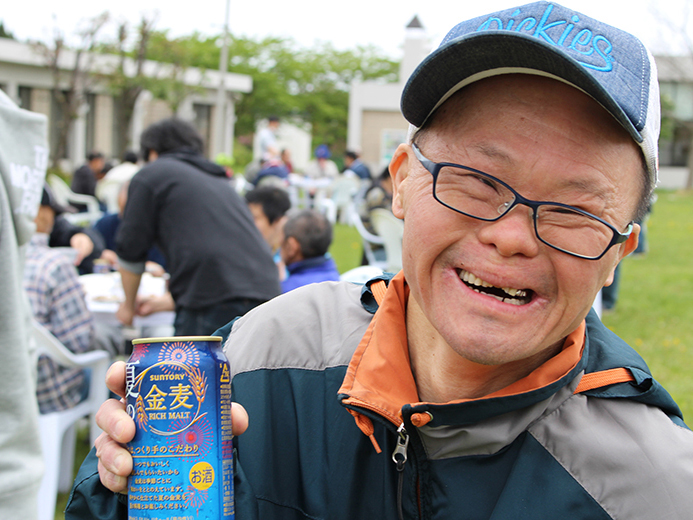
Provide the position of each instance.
(434, 169)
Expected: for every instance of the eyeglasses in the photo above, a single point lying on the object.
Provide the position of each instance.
(481, 196)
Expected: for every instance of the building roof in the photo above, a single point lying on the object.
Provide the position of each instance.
(415, 23)
(24, 54)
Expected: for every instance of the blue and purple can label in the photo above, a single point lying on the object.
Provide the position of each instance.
(178, 392)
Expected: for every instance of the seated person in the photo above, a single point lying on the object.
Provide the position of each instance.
(379, 195)
(108, 188)
(322, 166)
(272, 173)
(107, 226)
(307, 237)
(354, 166)
(85, 177)
(269, 205)
(57, 302)
(87, 243)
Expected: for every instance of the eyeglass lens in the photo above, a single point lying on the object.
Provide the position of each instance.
(481, 196)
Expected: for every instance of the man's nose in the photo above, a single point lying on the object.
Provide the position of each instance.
(513, 233)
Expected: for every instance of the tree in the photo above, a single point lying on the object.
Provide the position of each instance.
(130, 77)
(70, 83)
(304, 85)
(175, 59)
(126, 85)
(4, 33)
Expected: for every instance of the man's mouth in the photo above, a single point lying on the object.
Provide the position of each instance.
(504, 294)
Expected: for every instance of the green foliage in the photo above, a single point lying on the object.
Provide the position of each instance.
(654, 313)
(180, 55)
(242, 156)
(297, 84)
(4, 33)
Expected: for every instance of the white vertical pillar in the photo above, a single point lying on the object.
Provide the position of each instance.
(78, 136)
(138, 118)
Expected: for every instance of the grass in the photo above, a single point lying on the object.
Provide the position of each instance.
(654, 313)
(346, 247)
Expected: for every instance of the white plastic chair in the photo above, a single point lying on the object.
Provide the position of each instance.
(391, 230)
(57, 429)
(327, 207)
(344, 188)
(367, 238)
(66, 197)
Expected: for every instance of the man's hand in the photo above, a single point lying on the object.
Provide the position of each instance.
(81, 243)
(111, 257)
(125, 314)
(150, 304)
(115, 461)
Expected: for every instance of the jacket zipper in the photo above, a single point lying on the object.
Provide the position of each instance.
(399, 457)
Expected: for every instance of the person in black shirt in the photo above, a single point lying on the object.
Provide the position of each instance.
(220, 266)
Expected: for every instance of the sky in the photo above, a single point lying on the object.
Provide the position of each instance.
(355, 22)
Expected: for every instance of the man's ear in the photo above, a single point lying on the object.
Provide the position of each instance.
(399, 172)
(631, 243)
(293, 249)
(624, 250)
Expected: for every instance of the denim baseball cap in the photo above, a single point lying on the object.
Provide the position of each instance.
(547, 39)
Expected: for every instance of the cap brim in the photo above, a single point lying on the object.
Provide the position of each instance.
(471, 58)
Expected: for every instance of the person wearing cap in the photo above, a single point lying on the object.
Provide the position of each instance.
(322, 166)
(57, 302)
(476, 383)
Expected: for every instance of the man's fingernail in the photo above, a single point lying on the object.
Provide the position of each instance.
(118, 429)
(117, 462)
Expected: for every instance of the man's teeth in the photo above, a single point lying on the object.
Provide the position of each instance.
(473, 280)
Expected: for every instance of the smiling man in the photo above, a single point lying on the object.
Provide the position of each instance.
(476, 383)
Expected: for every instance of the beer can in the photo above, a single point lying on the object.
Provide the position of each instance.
(178, 392)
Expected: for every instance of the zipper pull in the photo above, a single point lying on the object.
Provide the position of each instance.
(399, 456)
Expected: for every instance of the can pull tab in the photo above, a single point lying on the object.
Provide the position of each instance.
(399, 456)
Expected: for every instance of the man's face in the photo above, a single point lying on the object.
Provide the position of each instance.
(271, 232)
(548, 141)
(97, 164)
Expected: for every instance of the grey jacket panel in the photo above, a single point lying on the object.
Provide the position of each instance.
(312, 327)
(23, 158)
(613, 446)
(492, 435)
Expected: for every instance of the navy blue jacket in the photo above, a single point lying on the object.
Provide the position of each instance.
(314, 451)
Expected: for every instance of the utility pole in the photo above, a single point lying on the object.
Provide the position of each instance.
(220, 119)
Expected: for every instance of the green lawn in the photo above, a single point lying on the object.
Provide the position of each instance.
(346, 247)
(655, 306)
